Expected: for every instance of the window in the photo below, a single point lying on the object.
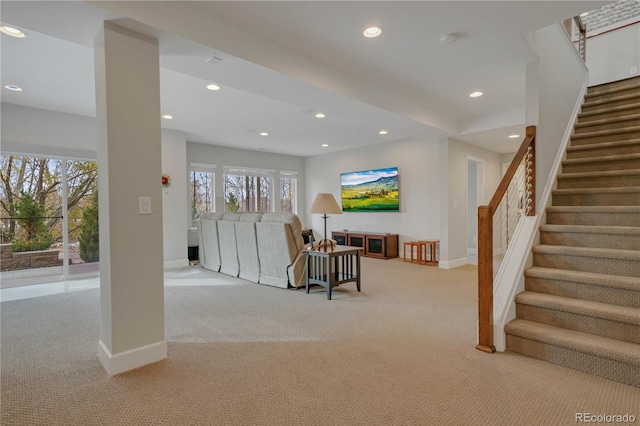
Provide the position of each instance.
(202, 193)
(247, 190)
(288, 191)
(51, 205)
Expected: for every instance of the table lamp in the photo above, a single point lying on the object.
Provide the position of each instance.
(325, 203)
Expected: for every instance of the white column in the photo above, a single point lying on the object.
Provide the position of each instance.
(130, 170)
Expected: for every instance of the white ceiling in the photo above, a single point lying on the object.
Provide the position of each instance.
(282, 60)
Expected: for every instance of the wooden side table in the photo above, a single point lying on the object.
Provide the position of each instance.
(411, 245)
(427, 252)
(333, 267)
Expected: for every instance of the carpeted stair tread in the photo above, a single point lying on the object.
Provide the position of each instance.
(632, 97)
(622, 130)
(587, 278)
(608, 196)
(586, 229)
(594, 209)
(604, 87)
(635, 156)
(593, 92)
(602, 253)
(594, 215)
(604, 311)
(582, 191)
(610, 146)
(633, 118)
(616, 109)
(604, 347)
(603, 173)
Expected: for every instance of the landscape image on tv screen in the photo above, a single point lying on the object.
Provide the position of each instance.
(370, 191)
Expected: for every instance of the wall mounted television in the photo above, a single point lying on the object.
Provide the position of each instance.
(370, 190)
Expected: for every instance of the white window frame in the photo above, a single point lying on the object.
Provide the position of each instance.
(249, 171)
(201, 168)
(287, 174)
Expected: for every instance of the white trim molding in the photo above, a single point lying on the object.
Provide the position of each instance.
(450, 264)
(134, 358)
(179, 263)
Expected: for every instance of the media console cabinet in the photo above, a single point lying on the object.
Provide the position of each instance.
(375, 244)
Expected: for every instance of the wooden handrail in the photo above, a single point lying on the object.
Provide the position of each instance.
(485, 235)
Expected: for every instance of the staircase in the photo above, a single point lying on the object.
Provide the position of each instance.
(581, 304)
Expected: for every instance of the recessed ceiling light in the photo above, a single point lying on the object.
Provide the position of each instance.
(264, 134)
(320, 115)
(324, 145)
(382, 132)
(213, 87)
(372, 32)
(513, 136)
(584, 14)
(475, 94)
(13, 32)
(13, 87)
(168, 117)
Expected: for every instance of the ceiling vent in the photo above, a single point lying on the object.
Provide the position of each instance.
(214, 60)
(448, 38)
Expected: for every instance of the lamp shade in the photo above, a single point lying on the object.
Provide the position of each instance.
(325, 203)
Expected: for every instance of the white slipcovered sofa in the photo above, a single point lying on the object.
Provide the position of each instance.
(265, 248)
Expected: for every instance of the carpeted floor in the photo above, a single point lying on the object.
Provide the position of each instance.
(401, 352)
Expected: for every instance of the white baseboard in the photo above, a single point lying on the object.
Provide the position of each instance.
(170, 264)
(450, 264)
(128, 360)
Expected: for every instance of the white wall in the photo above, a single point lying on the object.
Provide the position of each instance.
(611, 56)
(175, 199)
(454, 246)
(37, 131)
(419, 185)
(559, 77)
(432, 179)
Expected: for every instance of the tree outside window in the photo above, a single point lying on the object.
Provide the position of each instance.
(31, 201)
(247, 192)
(202, 194)
(288, 189)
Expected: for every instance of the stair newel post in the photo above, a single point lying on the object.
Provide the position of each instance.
(485, 279)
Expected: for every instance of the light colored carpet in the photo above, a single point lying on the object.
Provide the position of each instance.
(401, 352)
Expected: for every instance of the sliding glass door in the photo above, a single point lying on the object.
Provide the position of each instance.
(46, 226)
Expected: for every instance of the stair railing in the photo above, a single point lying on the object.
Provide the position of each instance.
(515, 197)
(578, 34)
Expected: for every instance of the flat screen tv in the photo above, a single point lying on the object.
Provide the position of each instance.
(370, 190)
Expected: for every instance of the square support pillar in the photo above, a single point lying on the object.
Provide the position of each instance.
(130, 199)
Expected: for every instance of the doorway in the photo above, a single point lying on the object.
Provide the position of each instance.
(475, 197)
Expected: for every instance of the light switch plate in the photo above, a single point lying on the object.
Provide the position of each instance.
(144, 205)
